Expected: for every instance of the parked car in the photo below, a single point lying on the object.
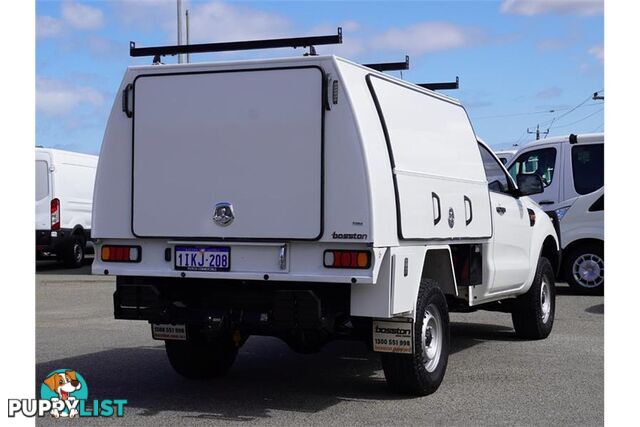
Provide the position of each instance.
(311, 199)
(64, 192)
(505, 155)
(572, 170)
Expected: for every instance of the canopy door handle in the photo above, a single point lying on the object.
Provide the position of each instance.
(436, 199)
(467, 201)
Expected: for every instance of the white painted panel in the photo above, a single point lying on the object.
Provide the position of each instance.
(374, 300)
(405, 288)
(428, 134)
(249, 138)
(434, 151)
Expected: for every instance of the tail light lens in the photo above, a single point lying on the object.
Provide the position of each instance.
(55, 214)
(334, 258)
(119, 253)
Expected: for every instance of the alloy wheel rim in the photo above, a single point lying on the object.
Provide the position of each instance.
(431, 338)
(588, 270)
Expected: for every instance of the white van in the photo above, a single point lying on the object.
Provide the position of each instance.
(64, 193)
(311, 199)
(572, 170)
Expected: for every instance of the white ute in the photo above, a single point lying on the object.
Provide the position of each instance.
(311, 199)
(64, 192)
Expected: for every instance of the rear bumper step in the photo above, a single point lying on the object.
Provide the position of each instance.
(257, 306)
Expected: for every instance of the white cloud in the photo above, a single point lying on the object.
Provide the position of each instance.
(537, 7)
(429, 37)
(74, 15)
(597, 51)
(148, 15)
(55, 98)
(217, 21)
(48, 26)
(81, 16)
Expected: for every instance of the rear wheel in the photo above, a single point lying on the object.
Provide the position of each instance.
(74, 253)
(583, 269)
(534, 312)
(422, 372)
(202, 360)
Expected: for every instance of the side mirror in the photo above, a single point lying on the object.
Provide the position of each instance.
(529, 183)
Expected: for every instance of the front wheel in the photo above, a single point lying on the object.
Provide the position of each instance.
(201, 360)
(533, 313)
(422, 372)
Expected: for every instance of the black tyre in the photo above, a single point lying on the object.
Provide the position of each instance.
(422, 372)
(534, 312)
(74, 253)
(201, 360)
(583, 269)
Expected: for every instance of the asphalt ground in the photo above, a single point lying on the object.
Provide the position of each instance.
(492, 378)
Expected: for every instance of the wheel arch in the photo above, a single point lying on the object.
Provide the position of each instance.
(78, 230)
(582, 242)
(438, 266)
(550, 250)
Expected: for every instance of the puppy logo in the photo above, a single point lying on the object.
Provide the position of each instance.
(66, 389)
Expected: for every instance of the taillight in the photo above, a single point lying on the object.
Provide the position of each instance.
(119, 253)
(334, 258)
(55, 214)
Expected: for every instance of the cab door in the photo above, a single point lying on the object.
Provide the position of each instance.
(543, 161)
(509, 247)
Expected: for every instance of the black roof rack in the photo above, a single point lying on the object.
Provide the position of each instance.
(441, 86)
(390, 66)
(294, 42)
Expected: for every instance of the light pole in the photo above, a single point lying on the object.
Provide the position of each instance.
(179, 5)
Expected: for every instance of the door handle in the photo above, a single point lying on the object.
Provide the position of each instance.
(546, 202)
(501, 210)
(468, 201)
(435, 198)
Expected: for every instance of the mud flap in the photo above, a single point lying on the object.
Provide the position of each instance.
(393, 336)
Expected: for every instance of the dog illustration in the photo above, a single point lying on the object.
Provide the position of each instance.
(63, 384)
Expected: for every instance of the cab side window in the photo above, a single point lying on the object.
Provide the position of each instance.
(496, 176)
(541, 162)
(587, 162)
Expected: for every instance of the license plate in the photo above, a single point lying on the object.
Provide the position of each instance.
(393, 336)
(198, 258)
(168, 332)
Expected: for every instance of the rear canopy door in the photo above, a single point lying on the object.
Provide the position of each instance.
(248, 138)
(43, 191)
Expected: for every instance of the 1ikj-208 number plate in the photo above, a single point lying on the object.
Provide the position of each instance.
(202, 258)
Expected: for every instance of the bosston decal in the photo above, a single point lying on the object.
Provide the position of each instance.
(342, 236)
(397, 331)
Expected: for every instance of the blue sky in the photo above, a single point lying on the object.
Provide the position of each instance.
(517, 59)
